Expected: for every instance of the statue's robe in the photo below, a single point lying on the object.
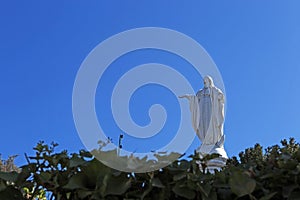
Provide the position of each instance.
(211, 136)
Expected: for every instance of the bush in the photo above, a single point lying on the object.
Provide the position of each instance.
(256, 174)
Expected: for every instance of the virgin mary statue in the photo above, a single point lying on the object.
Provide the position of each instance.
(207, 110)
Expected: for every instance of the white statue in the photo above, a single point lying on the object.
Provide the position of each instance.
(207, 109)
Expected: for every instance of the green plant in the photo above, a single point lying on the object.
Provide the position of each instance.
(256, 174)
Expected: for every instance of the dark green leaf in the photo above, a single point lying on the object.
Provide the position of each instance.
(286, 190)
(11, 193)
(9, 176)
(44, 176)
(157, 183)
(78, 181)
(269, 196)
(204, 189)
(117, 185)
(294, 195)
(241, 184)
(183, 191)
(76, 161)
(179, 176)
(2, 185)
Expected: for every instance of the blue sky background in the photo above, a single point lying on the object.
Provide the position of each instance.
(255, 44)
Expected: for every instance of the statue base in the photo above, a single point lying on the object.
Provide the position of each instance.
(215, 163)
(212, 165)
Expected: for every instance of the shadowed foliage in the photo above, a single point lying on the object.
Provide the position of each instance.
(273, 173)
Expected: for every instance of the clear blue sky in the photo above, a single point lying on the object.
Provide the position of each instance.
(255, 44)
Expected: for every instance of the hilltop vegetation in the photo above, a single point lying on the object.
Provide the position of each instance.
(271, 173)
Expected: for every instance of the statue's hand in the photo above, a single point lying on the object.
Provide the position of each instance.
(182, 96)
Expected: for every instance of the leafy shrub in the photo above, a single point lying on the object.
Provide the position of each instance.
(256, 174)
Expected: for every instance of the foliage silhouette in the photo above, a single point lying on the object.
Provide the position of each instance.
(256, 174)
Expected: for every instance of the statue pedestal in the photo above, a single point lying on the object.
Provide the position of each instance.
(205, 149)
(215, 163)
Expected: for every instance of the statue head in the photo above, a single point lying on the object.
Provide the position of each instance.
(208, 81)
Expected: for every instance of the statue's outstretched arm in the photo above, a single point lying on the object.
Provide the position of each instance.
(185, 96)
